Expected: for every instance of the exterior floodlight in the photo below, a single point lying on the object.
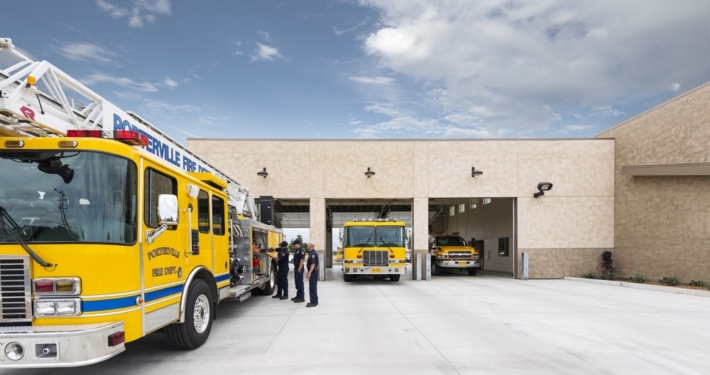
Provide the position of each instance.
(543, 187)
(475, 173)
(369, 173)
(263, 173)
(5, 43)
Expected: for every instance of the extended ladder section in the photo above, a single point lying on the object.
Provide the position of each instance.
(39, 100)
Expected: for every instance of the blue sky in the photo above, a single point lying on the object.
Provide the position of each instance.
(374, 69)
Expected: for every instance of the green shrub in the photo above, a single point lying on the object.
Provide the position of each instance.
(590, 275)
(637, 278)
(700, 283)
(670, 280)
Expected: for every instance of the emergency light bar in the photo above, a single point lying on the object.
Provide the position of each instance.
(130, 137)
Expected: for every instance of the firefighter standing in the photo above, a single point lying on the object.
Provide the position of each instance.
(298, 268)
(312, 275)
(282, 279)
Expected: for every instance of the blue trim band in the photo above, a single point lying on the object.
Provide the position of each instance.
(160, 293)
(124, 302)
(222, 278)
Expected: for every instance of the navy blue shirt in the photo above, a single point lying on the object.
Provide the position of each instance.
(313, 259)
(298, 256)
(283, 257)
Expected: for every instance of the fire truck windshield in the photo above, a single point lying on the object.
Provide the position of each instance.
(58, 197)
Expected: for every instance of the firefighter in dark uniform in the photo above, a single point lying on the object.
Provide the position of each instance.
(298, 268)
(282, 276)
(312, 275)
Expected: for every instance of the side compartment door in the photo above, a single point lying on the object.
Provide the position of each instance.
(163, 257)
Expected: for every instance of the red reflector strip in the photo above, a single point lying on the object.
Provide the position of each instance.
(84, 133)
(117, 338)
(359, 256)
(392, 256)
(131, 137)
(44, 286)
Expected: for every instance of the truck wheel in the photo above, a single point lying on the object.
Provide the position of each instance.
(472, 271)
(435, 269)
(198, 319)
(269, 287)
(394, 277)
(348, 278)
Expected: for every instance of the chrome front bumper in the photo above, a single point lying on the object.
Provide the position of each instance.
(382, 271)
(457, 263)
(59, 346)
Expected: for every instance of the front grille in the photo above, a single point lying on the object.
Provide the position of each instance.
(15, 294)
(459, 254)
(375, 257)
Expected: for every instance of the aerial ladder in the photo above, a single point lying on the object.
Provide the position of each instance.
(35, 102)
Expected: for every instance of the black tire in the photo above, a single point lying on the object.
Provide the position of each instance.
(472, 271)
(189, 335)
(435, 269)
(268, 288)
(348, 278)
(394, 277)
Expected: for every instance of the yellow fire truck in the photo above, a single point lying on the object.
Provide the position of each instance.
(450, 252)
(109, 229)
(374, 248)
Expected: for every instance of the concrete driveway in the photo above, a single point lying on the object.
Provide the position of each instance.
(454, 324)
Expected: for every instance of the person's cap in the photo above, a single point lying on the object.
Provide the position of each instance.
(296, 242)
(283, 244)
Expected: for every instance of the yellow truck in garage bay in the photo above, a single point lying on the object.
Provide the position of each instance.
(374, 248)
(450, 252)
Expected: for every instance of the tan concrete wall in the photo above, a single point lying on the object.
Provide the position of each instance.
(662, 224)
(577, 213)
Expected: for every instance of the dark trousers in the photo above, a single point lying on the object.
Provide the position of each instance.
(313, 287)
(299, 283)
(282, 281)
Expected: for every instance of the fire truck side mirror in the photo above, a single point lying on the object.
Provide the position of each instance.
(167, 209)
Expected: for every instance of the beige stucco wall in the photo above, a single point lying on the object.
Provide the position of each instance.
(577, 213)
(662, 224)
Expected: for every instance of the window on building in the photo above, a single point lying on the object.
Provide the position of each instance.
(503, 247)
(473, 206)
(462, 208)
(452, 211)
(486, 200)
(156, 183)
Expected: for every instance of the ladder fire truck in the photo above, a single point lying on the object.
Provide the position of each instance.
(109, 229)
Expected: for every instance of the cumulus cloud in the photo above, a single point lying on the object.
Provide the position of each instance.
(510, 67)
(119, 81)
(170, 83)
(265, 52)
(138, 13)
(374, 80)
(84, 51)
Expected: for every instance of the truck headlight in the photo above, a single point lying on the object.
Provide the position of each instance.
(68, 307)
(45, 308)
(65, 286)
(48, 307)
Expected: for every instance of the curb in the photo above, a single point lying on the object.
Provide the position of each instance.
(656, 288)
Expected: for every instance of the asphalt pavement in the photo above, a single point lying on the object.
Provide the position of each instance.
(453, 324)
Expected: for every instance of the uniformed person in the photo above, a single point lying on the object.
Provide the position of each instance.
(282, 275)
(312, 275)
(298, 269)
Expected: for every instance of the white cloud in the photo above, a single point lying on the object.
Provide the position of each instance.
(170, 83)
(119, 81)
(265, 36)
(514, 65)
(138, 13)
(264, 52)
(84, 51)
(374, 80)
(359, 25)
(577, 127)
(153, 105)
(675, 86)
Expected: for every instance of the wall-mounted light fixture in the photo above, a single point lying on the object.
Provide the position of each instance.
(369, 173)
(543, 187)
(263, 173)
(475, 173)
